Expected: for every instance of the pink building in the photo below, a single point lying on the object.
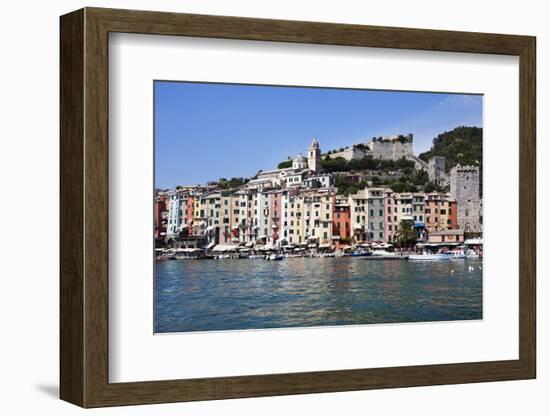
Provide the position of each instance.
(275, 211)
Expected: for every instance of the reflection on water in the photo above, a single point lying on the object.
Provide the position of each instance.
(207, 295)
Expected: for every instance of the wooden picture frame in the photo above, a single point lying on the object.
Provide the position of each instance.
(84, 207)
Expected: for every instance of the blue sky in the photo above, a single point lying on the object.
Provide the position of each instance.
(207, 131)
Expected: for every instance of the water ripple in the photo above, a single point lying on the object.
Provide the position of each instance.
(212, 295)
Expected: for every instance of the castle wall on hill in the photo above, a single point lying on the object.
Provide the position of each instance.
(391, 148)
(349, 153)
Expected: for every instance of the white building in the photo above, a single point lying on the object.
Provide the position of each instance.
(173, 226)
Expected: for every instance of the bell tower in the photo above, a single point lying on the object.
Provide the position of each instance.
(314, 156)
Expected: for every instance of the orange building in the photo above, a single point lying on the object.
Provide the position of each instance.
(440, 212)
(341, 226)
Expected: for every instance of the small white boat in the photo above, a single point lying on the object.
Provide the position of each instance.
(275, 257)
(457, 254)
(384, 253)
(426, 256)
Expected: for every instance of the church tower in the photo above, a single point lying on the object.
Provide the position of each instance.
(314, 156)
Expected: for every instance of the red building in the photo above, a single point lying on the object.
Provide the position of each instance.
(161, 216)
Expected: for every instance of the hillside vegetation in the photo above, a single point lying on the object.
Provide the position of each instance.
(462, 145)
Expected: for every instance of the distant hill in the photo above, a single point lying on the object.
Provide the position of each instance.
(462, 145)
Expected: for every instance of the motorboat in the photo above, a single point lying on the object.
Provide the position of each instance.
(428, 256)
(384, 253)
(358, 254)
(275, 257)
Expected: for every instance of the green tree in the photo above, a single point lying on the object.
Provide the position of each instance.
(462, 145)
(285, 164)
(405, 233)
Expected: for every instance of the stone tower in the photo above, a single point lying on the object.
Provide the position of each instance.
(436, 169)
(465, 190)
(314, 156)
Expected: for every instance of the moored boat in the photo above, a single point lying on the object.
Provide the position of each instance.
(428, 256)
(358, 254)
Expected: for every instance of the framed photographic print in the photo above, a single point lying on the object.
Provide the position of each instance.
(256, 207)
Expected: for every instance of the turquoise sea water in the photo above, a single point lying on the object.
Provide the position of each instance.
(208, 295)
